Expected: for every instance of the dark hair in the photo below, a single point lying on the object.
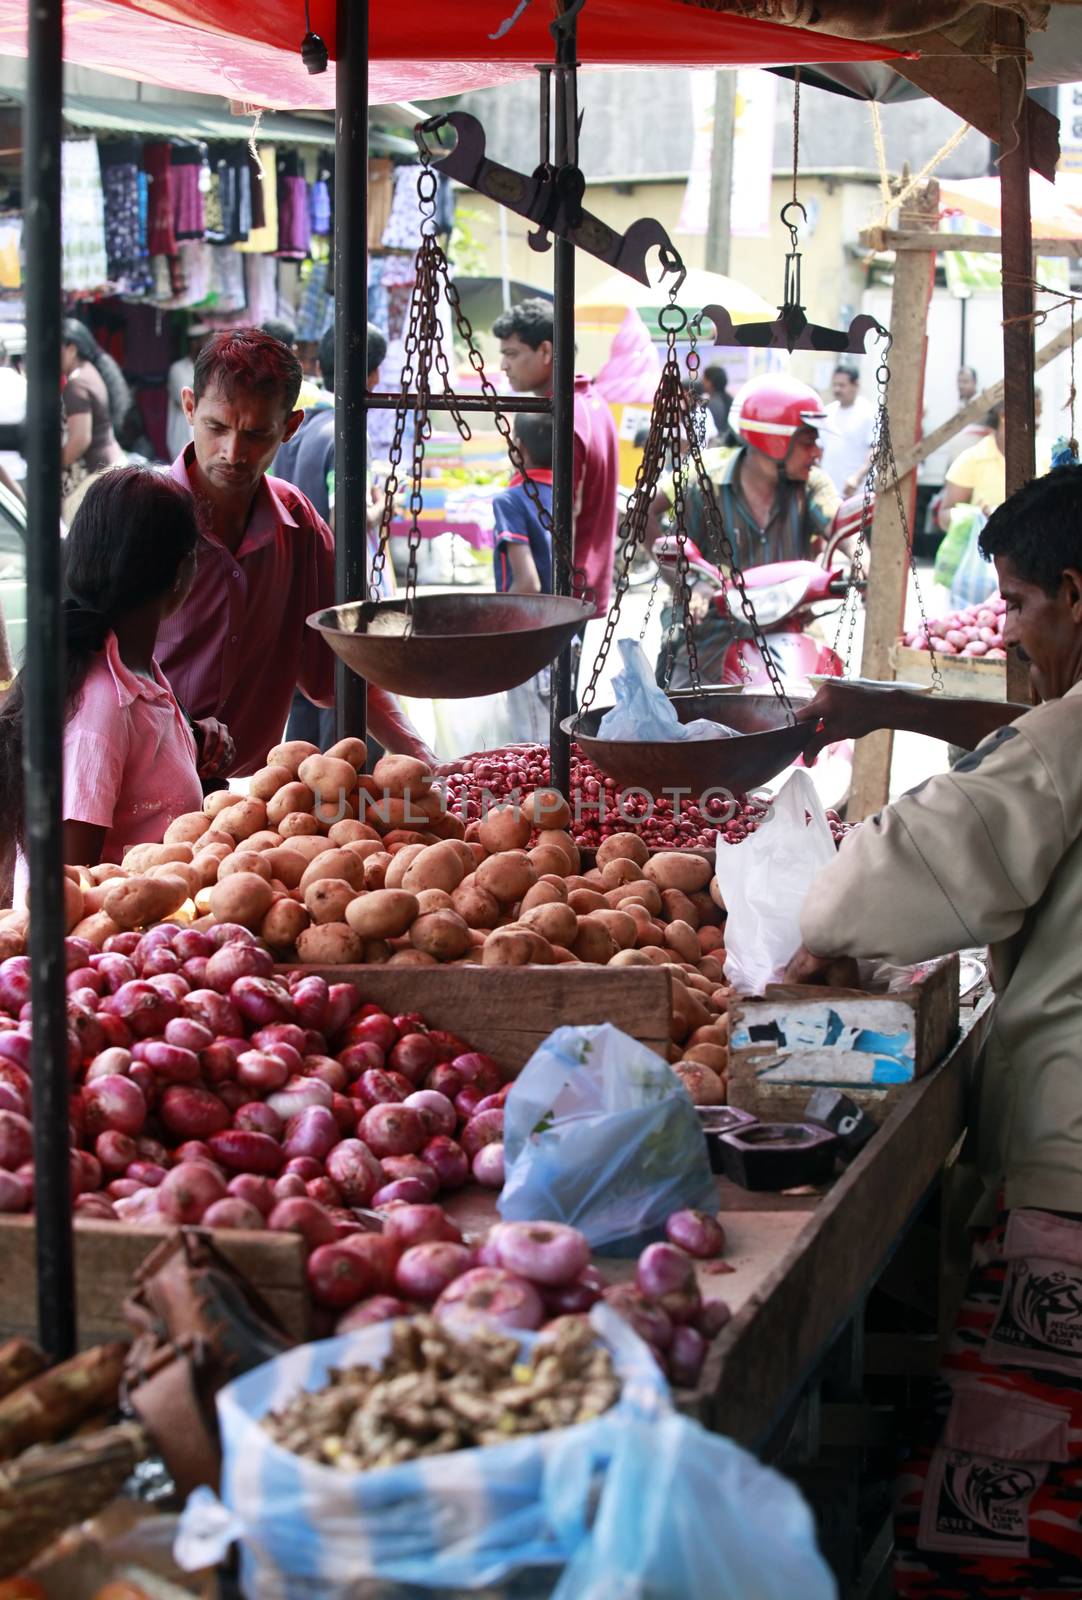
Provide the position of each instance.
(529, 320)
(281, 330)
(534, 430)
(971, 370)
(247, 358)
(718, 377)
(994, 416)
(1039, 528)
(696, 390)
(127, 541)
(377, 349)
(121, 403)
(849, 370)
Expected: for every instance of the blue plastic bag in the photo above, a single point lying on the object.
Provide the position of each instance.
(599, 1132)
(687, 1515)
(974, 577)
(643, 711)
(465, 1519)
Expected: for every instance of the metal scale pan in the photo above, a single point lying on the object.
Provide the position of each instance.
(766, 744)
(460, 645)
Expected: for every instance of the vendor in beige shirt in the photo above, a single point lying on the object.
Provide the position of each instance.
(991, 853)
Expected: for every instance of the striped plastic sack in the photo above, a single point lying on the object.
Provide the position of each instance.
(470, 1520)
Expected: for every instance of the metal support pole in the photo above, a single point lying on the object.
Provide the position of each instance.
(351, 341)
(563, 405)
(44, 677)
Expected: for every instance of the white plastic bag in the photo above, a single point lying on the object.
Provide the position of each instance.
(763, 882)
(645, 712)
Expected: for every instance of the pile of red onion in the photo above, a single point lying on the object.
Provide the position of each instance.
(206, 1090)
(598, 807)
(973, 631)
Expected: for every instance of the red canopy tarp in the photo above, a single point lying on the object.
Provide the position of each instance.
(419, 49)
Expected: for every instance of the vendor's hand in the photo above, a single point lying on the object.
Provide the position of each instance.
(216, 750)
(842, 711)
(834, 972)
(701, 601)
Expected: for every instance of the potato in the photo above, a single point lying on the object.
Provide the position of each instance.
(542, 894)
(622, 926)
(594, 943)
(626, 845)
(695, 980)
(139, 902)
(401, 775)
(330, 944)
(676, 906)
(656, 954)
(108, 871)
(709, 913)
(96, 928)
(710, 939)
(327, 899)
(139, 858)
(709, 1055)
(327, 776)
(362, 848)
(265, 783)
(547, 858)
(184, 870)
(583, 901)
(564, 958)
(679, 936)
(375, 870)
(510, 947)
(714, 968)
(265, 839)
(645, 894)
(350, 831)
(507, 875)
(505, 828)
(328, 813)
(619, 871)
(556, 839)
(292, 797)
(187, 828)
(556, 923)
(547, 808)
(442, 934)
(434, 900)
(476, 906)
(631, 958)
(308, 845)
(715, 894)
(382, 913)
(335, 864)
(594, 880)
(400, 864)
(242, 897)
(243, 861)
(93, 897)
(284, 924)
(464, 854)
(290, 755)
(392, 812)
(701, 1082)
(712, 1033)
(447, 826)
(377, 952)
(298, 825)
(438, 866)
(207, 862)
(412, 958)
(398, 837)
(217, 801)
(555, 881)
(355, 751)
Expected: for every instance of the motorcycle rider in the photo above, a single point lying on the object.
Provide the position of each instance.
(776, 503)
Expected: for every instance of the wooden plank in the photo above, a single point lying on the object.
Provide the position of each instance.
(107, 1255)
(968, 87)
(509, 1011)
(889, 574)
(881, 239)
(758, 1365)
(1020, 442)
(964, 677)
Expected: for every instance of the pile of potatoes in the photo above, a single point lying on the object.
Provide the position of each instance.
(411, 886)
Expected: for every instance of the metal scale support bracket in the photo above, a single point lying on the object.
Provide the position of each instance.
(790, 331)
(545, 198)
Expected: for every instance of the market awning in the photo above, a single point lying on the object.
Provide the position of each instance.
(421, 50)
(1056, 209)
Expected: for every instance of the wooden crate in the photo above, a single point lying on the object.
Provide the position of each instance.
(107, 1255)
(509, 1011)
(964, 677)
(801, 1037)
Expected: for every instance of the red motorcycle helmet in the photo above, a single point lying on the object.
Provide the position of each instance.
(768, 411)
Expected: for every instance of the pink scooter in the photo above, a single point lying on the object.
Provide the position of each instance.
(787, 596)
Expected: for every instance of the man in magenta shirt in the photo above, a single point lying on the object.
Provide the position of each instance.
(239, 645)
(525, 335)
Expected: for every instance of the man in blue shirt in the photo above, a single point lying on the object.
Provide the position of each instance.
(522, 558)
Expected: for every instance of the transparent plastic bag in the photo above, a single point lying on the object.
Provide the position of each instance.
(763, 882)
(688, 1515)
(599, 1132)
(643, 712)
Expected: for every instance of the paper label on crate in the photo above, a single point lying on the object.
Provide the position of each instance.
(812, 1042)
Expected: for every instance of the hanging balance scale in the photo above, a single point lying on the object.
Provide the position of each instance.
(446, 646)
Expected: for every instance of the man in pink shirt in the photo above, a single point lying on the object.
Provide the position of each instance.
(239, 645)
(525, 335)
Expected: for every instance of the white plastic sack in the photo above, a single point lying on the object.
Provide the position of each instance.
(643, 711)
(763, 882)
(466, 1519)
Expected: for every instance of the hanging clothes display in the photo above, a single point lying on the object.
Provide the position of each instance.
(403, 230)
(125, 239)
(261, 288)
(158, 165)
(229, 215)
(319, 200)
(294, 221)
(315, 313)
(263, 234)
(84, 264)
(227, 292)
(380, 196)
(187, 165)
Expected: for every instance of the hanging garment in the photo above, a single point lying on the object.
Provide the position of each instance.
(261, 288)
(187, 164)
(319, 204)
(226, 280)
(212, 209)
(84, 264)
(315, 312)
(263, 235)
(191, 276)
(158, 165)
(124, 249)
(229, 221)
(294, 221)
(403, 230)
(380, 196)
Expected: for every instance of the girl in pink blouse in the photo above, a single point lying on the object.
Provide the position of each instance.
(130, 760)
